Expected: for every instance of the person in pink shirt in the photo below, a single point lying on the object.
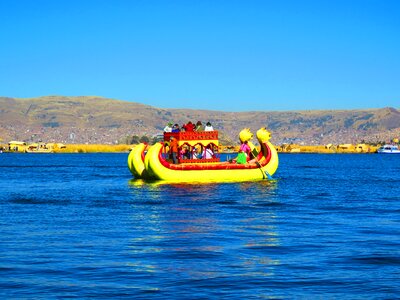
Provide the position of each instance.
(244, 147)
(244, 154)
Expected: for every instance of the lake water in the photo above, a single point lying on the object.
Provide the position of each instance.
(78, 226)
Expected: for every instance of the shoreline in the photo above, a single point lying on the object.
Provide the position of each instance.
(285, 149)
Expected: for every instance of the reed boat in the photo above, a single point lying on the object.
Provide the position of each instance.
(39, 151)
(153, 162)
(38, 148)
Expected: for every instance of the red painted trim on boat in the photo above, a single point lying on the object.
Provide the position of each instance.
(191, 135)
(218, 166)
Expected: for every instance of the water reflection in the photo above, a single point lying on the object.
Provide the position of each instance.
(198, 231)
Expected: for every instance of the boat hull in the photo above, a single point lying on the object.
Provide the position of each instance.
(39, 151)
(389, 152)
(157, 168)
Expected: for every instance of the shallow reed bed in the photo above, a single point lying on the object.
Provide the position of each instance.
(94, 148)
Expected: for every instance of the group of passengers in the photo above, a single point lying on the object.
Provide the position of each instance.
(188, 127)
(200, 152)
(196, 152)
(188, 152)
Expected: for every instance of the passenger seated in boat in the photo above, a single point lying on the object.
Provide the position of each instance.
(245, 148)
(189, 127)
(208, 153)
(175, 128)
(208, 127)
(184, 153)
(243, 154)
(168, 128)
(196, 153)
(199, 126)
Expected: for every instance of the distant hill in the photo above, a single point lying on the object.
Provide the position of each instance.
(91, 119)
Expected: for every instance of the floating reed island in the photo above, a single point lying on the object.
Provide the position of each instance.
(22, 147)
(330, 148)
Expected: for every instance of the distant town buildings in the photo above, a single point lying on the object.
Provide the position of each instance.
(75, 135)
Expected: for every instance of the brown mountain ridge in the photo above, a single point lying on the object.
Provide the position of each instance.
(92, 119)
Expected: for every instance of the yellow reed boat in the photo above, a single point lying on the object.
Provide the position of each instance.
(156, 165)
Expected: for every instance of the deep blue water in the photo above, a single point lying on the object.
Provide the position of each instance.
(78, 226)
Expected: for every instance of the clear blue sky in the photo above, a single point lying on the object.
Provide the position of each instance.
(221, 55)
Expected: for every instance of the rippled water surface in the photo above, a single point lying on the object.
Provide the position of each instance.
(77, 225)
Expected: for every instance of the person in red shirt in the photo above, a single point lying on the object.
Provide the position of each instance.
(189, 127)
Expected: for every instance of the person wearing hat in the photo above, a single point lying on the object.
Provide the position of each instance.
(168, 128)
(175, 128)
(208, 127)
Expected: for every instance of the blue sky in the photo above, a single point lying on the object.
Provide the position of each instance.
(219, 55)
